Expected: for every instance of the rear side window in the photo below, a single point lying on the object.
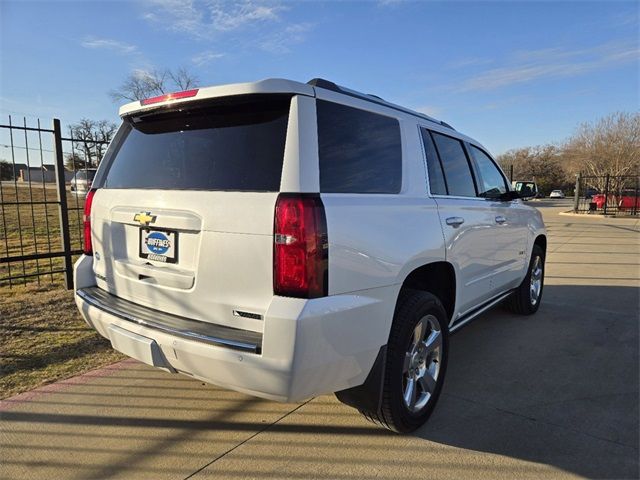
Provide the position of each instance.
(491, 182)
(456, 166)
(360, 151)
(236, 145)
(437, 183)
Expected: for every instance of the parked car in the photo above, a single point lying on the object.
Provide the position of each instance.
(527, 190)
(625, 200)
(590, 192)
(629, 199)
(82, 180)
(556, 194)
(289, 240)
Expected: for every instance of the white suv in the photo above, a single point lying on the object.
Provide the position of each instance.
(289, 240)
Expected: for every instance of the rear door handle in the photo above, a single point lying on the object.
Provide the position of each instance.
(500, 219)
(455, 221)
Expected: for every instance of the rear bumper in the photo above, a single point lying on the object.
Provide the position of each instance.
(307, 347)
(219, 335)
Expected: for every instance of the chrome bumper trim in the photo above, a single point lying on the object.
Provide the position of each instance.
(219, 335)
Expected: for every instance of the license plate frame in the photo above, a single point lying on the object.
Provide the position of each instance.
(164, 245)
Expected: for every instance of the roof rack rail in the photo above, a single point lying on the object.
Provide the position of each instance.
(329, 85)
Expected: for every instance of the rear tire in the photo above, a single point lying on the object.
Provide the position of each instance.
(415, 364)
(526, 299)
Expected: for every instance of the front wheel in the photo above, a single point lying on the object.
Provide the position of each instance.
(415, 364)
(525, 300)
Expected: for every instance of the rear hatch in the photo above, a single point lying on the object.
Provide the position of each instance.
(182, 219)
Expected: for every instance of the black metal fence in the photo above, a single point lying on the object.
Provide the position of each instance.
(607, 195)
(42, 201)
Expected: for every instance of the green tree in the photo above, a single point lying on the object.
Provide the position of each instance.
(73, 161)
(6, 170)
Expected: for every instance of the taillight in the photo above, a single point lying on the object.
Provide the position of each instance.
(301, 250)
(170, 96)
(86, 221)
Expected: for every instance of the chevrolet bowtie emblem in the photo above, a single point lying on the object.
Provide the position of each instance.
(144, 218)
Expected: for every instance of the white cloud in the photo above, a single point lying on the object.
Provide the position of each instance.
(623, 19)
(227, 16)
(175, 15)
(469, 62)
(203, 58)
(282, 40)
(529, 66)
(109, 44)
(207, 18)
(141, 73)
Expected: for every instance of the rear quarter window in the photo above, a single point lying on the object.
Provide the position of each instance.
(360, 151)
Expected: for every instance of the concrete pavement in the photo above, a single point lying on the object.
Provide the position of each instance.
(549, 396)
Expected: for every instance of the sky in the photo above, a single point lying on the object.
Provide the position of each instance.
(509, 74)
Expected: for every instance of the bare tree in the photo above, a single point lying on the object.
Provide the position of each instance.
(90, 139)
(609, 146)
(542, 163)
(144, 84)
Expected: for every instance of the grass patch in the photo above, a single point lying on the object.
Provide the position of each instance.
(28, 229)
(45, 339)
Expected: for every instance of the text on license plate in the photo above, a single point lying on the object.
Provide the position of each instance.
(159, 245)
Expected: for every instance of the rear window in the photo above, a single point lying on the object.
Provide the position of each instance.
(360, 151)
(236, 145)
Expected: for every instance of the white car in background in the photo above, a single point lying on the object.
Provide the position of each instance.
(556, 194)
(289, 240)
(82, 180)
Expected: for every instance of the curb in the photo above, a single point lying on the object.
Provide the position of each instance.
(571, 213)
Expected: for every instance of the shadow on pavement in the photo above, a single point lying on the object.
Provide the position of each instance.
(559, 387)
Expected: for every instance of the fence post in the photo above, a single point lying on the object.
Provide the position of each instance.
(62, 204)
(635, 198)
(576, 194)
(606, 194)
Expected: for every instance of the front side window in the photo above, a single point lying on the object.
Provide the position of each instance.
(491, 183)
(456, 167)
(359, 151)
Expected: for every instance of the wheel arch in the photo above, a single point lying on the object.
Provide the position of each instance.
(541, 241)
(438, 278)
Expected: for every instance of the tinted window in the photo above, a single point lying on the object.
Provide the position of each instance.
(360, 152)
(436, 178)
(491, 182)
(456, 166)
(238, 145)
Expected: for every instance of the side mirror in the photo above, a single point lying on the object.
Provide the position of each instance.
(511, 195)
